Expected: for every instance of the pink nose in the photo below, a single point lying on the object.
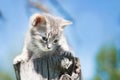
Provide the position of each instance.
(48, 46)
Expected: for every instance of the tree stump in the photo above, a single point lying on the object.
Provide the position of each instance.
(46, 68)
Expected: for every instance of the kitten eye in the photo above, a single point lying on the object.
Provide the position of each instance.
(44, 38)
(55, 41)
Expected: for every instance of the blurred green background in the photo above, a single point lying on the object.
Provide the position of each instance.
(94, 34)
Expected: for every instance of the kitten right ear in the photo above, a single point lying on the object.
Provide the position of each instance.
(37, 19)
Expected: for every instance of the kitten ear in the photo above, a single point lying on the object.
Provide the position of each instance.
(65, 23)
(37, 19)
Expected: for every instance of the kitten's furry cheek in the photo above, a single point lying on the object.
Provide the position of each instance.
(37, 19)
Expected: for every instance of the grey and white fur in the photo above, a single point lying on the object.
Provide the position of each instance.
(44, 36)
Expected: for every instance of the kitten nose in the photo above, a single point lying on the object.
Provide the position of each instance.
(48, 46)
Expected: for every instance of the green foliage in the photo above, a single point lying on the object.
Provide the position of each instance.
(97, 77)
(107, 64)
(5, 76)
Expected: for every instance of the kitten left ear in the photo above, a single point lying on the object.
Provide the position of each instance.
(37, 19)
(65, 23)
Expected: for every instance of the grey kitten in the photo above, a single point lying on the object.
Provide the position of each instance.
(44, 37)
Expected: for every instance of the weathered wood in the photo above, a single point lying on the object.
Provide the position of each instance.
(45, 68)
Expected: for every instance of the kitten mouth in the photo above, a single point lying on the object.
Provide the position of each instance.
(46, 49)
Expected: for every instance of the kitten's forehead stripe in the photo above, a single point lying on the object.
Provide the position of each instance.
(53, 34)
(53, 28)
(52, 20)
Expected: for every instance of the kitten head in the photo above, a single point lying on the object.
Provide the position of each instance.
(46, 30)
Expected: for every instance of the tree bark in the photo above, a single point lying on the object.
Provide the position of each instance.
(46, 68)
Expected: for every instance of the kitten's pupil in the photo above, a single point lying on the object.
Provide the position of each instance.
(55, 41)
(44, 38)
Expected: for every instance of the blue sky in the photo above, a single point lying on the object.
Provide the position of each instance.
(97, 22)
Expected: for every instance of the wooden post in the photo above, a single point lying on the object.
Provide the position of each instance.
(46, 68)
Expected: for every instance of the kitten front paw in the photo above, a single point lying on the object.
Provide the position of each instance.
(67, 54)
(67, 60)
(19, 59)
